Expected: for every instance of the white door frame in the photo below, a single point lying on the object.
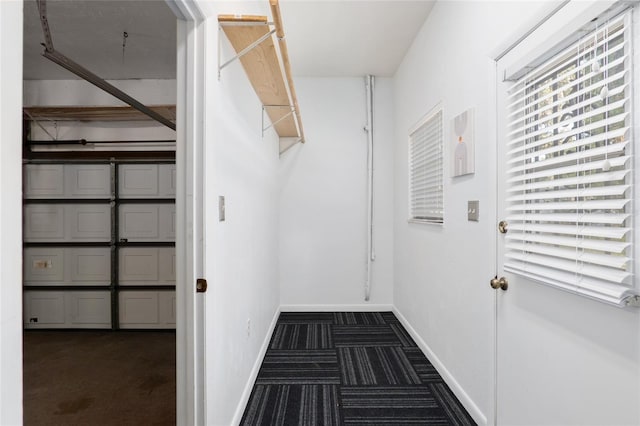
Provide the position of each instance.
(11, 13)
(190, 360)
(189, 238)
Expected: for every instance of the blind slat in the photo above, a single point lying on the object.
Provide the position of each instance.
(618, 161)
(582, 156)
(577, 230)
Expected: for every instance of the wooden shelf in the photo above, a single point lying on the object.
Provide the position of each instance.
(96, 113)
(262, 63)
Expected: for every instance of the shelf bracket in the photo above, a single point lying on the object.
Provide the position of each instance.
(243, 52)
(264, 107)
(41, 126)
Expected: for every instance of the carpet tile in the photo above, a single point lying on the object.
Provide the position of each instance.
(293, 405)
(306, 317)
(426, 371)
(359, 318)
(390, 405)
(299, 367)
(365, 335)
(362, 366)
(348, 368)
(302, 336)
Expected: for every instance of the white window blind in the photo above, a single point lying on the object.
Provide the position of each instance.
(425, 170)
(569, 168)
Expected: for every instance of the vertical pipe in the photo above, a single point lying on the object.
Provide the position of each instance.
(369, 85)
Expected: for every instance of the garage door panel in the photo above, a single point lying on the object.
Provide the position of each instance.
(44, 222)
(167, 300)
(167, 222)
(44, 180)
(90, 308)
(138, 180)
(89, 222)
(88, 180)
(138, 308)
(139, 265)
(139, 222)
(44, 309)
(43, 266)
(167, 180)
(167, 271)
(90, 265)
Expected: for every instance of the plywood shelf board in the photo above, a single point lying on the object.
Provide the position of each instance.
(267, 68)
(96, 113)
(263, 70)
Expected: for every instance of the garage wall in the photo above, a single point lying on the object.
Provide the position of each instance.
(323, 199)
(442, 273)
(80, 92)
(10, 213)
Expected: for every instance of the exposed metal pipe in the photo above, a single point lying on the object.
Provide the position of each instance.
(60, 59)
(371, 255)
(85, 142)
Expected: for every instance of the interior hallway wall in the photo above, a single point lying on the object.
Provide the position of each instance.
(241, 252)
(323, 198)
(10, 212)
(442, 273)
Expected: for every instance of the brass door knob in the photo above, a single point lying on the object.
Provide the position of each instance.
(499, 283)
(503, 226)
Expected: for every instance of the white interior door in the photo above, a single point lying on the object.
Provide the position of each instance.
(562, 358)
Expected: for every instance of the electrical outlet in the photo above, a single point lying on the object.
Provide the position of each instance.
(248, 327)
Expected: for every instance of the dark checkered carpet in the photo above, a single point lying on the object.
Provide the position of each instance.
(348, 368)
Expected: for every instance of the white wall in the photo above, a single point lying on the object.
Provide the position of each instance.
(442, 273)
(10, 213)
(241, 259)
(323, 198)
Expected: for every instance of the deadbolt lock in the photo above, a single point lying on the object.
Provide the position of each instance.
(499, 283)
(201, 285)
(502, 226)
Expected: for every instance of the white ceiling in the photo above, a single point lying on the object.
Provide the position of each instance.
(350, 38)
(325, 38)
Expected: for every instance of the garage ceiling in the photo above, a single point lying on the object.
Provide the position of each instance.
(91, 33)
(325, 38)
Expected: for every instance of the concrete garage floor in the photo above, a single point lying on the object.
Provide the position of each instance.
(99, 378)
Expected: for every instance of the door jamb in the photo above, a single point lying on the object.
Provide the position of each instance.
(190, 360)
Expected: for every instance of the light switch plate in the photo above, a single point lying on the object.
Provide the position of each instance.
(473, 210)
(221, 212)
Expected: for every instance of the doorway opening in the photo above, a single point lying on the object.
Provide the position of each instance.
(99, 185)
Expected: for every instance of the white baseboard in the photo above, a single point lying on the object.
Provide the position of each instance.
(459, 392)
(335, 308)
(244, 399)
